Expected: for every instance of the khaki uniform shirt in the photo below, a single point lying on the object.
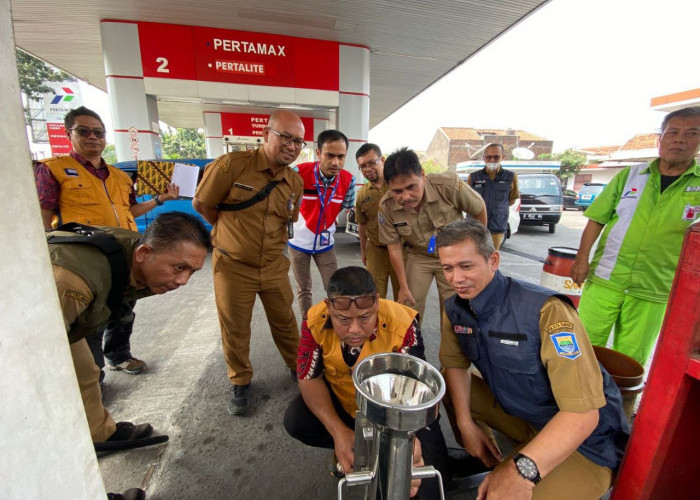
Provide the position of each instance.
(367, 207)
(256, 235)
(445, 198)
(577, 384)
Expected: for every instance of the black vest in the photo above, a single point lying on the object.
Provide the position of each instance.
(499, 331)
(495, 194)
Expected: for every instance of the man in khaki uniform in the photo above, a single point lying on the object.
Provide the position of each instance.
(252, 199)
(375, 256)
(542, 385)
(413, 210)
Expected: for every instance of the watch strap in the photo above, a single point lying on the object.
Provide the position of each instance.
(158, 201)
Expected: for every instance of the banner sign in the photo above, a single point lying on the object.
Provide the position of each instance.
(58, 140)
(246, 124)
(241, 57)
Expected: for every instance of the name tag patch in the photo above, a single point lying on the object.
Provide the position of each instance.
(71, 172)
(462, 330)
(566, 345)
(400, 224)
(692, 189)
(243, 186)
(510, 342)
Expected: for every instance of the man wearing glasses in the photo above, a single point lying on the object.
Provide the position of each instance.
(252, 199)
(349, 325)
(499, 189)
(83, 188)
(375, 256)
(328, 189)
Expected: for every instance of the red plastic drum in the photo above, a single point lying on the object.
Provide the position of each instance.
(556, 272)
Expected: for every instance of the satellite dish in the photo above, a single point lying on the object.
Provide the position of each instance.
(523, 154)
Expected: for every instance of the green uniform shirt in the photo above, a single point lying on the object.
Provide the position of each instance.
(640, 245)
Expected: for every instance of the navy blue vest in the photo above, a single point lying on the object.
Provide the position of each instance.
(499, 331)
(495, 194)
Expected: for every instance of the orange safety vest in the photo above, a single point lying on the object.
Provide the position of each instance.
(87, 200)
(393, 319)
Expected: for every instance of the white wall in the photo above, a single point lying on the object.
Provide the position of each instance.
(45, 446)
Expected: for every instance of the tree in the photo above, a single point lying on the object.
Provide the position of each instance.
(34, 72)
(110, 154)
(184, 143)
(430, 166)
(571, 162)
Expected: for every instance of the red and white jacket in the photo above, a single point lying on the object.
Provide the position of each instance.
(320, 207)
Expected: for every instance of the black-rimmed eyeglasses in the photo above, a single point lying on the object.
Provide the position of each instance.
(87, 132)
(344, 303)
(287, 140)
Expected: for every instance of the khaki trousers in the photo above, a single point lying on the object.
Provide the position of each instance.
(420, 271)
(235, 287)
(99, 420)
(497, 239)
(301, 266)
(379, 266)
(576, 478)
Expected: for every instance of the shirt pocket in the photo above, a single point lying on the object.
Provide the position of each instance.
(404, 230)
(80, 191)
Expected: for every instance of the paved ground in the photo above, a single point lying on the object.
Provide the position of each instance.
(212, 455)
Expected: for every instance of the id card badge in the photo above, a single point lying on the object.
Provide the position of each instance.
(431, 245)
(325, 238)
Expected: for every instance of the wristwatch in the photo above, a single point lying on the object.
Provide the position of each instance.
(527, 468)
(158, 202)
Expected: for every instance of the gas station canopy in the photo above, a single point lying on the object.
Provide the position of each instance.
(412, 43)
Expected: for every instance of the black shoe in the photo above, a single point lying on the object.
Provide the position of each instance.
(130, 494)
(238, 404)
(126, 431)
(462, 464)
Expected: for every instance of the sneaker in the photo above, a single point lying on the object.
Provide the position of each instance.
(238, 404)
(126, 431)
(132, 366)
(130, 494)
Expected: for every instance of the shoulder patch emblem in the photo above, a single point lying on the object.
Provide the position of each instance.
(566, 345)
(380, 218)
(558, 325)
(78, 296)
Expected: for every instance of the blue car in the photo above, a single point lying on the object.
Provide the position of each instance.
(180, 205)
(587, 194)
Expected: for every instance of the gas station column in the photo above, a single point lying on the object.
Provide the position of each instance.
(213, 133)
(353, 109)
(134, 113)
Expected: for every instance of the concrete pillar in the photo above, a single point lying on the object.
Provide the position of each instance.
(134, 114)
(353, 109)
(213, 134)
(45, 450)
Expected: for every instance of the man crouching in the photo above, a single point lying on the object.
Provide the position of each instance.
(351, 324)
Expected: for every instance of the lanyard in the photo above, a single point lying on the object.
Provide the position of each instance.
(322, 197)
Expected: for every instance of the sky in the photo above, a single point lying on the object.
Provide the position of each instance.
(579, 72)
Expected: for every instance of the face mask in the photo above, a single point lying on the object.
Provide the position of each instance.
(492, 166)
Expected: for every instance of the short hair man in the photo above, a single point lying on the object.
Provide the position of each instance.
(164, 258)
(643, 214)
(542, 385)
(328, 189)
(252, 198)
(413, 210)
(375, 255)
(499, 189)
(83, 188)
(349, 325)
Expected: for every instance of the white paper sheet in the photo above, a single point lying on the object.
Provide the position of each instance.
(185, 176)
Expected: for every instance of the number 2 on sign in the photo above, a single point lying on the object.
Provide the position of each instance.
(163, 68)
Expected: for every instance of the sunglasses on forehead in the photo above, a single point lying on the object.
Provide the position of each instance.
(344, 303)
(86, 132)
